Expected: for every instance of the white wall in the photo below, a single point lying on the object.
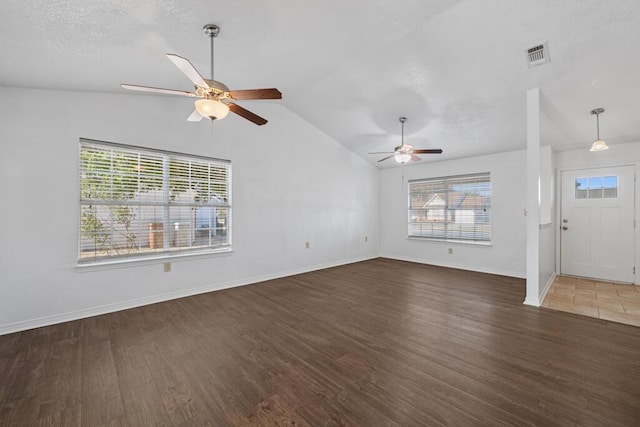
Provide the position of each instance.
(507, 253)
(291, 184)
(616, 155)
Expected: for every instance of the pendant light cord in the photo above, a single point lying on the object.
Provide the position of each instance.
(598, 124)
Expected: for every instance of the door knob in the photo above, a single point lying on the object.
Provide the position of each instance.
(564, 227)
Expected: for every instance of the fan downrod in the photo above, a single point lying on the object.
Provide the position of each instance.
(211, 30)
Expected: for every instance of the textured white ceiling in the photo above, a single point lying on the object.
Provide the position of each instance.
(456, 69)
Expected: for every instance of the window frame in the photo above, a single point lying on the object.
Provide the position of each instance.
(447, 214)
(175, 196)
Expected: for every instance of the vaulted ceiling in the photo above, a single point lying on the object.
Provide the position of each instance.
(456, 69)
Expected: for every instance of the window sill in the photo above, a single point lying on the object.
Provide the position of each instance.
(125, 263)
(462, 242)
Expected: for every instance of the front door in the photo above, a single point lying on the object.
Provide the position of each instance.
(597, 223)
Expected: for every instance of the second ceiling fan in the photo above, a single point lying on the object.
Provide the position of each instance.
(404, 153)
(216, 100)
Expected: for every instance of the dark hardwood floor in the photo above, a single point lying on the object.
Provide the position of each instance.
(380, 342)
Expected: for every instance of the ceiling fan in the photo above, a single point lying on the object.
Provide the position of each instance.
(405, 152)
(215, 99)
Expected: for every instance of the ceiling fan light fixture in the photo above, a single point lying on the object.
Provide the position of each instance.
(217, 100)
(405, 153)
(402, 157)
(598, 144)
(212, 109)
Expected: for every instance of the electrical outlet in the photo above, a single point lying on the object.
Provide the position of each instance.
(167, 267)
(306, 245)
(450, 251)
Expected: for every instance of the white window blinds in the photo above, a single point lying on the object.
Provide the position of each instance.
(451, 208)
(143, 203)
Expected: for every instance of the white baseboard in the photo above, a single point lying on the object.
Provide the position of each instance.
(537, 301)
(153, 299)
(532, 301)
(499, 272)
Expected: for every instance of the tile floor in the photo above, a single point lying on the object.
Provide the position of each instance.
(609, 301)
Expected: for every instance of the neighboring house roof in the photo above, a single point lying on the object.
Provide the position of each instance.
(474, 200)
(455, 200)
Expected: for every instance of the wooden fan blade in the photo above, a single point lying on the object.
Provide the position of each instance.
(194, 117)
(431, 151)
(243, 112)
(388, 157)
(241, 95)
(188, 69)
(157, 90)
(415, 158)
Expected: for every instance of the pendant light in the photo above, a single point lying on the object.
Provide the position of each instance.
(598, 144)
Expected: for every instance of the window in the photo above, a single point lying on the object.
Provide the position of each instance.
(451, 208)
(597, 187)
(143, 203)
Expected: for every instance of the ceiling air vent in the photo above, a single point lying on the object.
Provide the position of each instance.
(538, 54)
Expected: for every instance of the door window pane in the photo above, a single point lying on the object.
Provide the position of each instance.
(581, 188)
(610, 187)
(597, 187)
